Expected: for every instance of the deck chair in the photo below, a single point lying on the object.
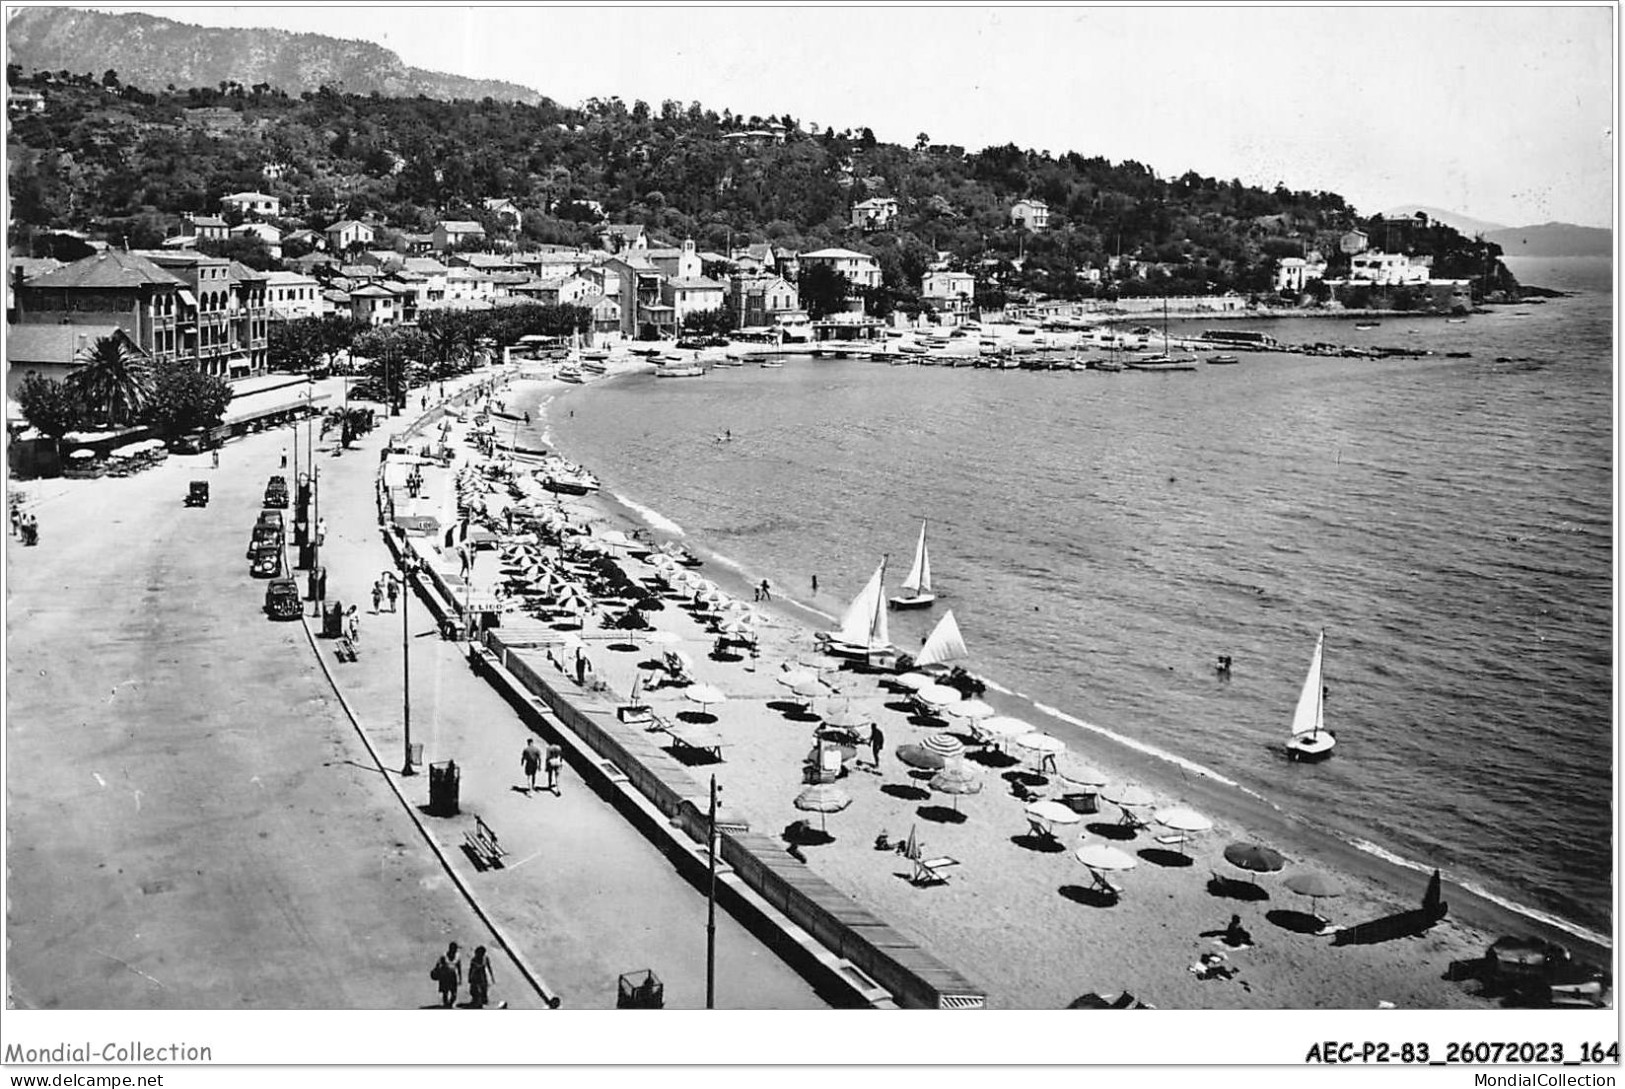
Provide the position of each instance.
(1131, 819)
(1041, 830)
(1104, 884)
(931, 871)
(1177, 839)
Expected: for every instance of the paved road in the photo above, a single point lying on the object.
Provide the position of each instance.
(195, 823)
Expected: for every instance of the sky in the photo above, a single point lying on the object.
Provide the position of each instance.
(1501, 113)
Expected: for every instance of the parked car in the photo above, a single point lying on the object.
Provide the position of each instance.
(264, 536)
(282, 600)
(266, 562)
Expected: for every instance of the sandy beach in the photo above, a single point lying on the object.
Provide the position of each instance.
(1018, 916)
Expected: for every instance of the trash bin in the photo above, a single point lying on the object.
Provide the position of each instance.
(333, 620)
(444, 780)
(318, 584)
(640, 991)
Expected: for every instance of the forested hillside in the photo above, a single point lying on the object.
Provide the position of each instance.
(126, 161)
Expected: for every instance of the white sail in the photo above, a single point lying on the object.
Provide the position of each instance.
(944, 644)
(919, 576)
(879, 629)
(1307, 718)
(858, 620)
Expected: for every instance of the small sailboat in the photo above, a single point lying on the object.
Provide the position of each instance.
(864, 634)
(944, 644)
(917, 586)
(1310, 738)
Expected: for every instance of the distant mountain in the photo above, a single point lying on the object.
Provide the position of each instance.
(1554, 240)
(152, 53)
(1467, 225)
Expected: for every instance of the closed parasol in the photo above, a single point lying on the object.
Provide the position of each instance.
(946, 746)
(916, 756)
(823, 798)
(955, 780)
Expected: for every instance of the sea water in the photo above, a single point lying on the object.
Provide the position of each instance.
(1102, 538)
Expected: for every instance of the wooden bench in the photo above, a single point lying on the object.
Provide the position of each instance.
(482, 846)
(344, 649)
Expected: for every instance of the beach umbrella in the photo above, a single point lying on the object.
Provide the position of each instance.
(975, 710)
(1313, 885)
(916, 756)
(1052, 813)
(955, 780)
(661, 637)
(1099, 856)
(913, 681)
(1254, 858)
(809, 692)
(1184, 821)
(937, 695)
(737, 629)
(790, 678)
(1129, 796)
(704, 694)
(822, 798)
(572, 599)
(846, 719)
(1042, 746)
(1003, 727)
(1079, 774)
(946, 746)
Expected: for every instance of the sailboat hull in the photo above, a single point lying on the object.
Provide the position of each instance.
(919, 601)
(1308, 748)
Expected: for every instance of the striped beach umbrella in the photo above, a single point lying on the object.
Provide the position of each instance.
(946, 746)
(822, 798)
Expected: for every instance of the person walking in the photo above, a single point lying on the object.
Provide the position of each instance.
(377, 596)
(448, 973)
(555, 765)
(767, 594)
(815, 584)
(877, 741)
(394, 592)
(284, 457)
(531, 761)
(321, 532)
(581, 666)
(352, 625)
(215, 456)
(480, 977)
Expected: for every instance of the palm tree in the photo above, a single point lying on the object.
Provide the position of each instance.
(114, 377)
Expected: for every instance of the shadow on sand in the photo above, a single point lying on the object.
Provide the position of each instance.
(1161, 856)
(1299, 922)
(941, 814)
(1111, 830)
(1092, 897)
(905, 792)
(1229, 888)
(1044, 845)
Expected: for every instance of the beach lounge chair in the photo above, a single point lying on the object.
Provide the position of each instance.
(1042, 831)
(932, 871)
(1131, 819)
(1104, 885)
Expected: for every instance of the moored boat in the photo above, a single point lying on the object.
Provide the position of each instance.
(1310, 738)
(917, 586)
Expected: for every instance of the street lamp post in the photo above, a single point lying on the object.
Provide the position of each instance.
(406, 664)
(711, 904)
